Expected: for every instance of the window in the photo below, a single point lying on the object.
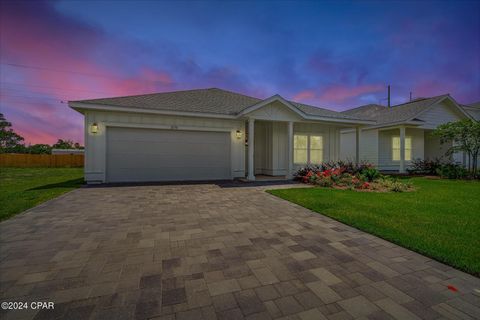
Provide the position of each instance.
(300, 149)
(408, 148)
(396, 148)
(307, 149)
(316, 149)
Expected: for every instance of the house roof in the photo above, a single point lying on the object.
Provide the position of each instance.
(475, 105)
(212, 101)
(398, 113)
(322, 112)
(221, 102)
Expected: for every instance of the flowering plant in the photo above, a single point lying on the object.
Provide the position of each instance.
(346, 175)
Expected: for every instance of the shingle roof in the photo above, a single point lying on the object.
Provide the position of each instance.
(369, 111)
(322, 112)
(472, 105)
(398, 113)
(212, 100)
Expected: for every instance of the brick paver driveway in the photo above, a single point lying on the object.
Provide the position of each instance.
(205, 252)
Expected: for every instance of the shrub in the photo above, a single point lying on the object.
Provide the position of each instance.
(323, 181)
(370, 174)
(430, 167)
(347, 166)
(452, 171)
(302, 172)
(331, 166)
(391, 184)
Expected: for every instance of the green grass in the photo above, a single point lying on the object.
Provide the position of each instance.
(440, 219)
(23, 188)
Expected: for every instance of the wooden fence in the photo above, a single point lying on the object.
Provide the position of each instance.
(41, 160)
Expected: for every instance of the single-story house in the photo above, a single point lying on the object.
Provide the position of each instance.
(213, 134)
(402, 133)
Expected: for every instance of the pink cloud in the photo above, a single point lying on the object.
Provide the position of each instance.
(304, 95)
(35, 35)
(337, 95)
(341, 93)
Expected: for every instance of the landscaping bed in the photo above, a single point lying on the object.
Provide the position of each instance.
(347, 175)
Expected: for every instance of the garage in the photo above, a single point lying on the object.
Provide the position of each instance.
(141, 155)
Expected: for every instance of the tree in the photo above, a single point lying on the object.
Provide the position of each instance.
(63, 144)
(10, 141)
(465, 137)
(39, 149)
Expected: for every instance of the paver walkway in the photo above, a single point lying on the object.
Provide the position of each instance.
(205, 252)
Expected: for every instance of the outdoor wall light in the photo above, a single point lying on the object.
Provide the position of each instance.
(94, 128)
(239, 134)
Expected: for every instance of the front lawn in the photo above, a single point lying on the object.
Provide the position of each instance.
(440, 219)
(23, 188)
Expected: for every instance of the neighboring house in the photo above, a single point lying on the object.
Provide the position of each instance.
(213, 134)
(402, 133)
(67, 151)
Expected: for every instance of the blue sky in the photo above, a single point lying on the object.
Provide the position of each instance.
(337, 54)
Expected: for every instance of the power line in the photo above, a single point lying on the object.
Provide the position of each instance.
(8, 90)
(26, 97)
(24, 103)
(54, 70)
(49, 87)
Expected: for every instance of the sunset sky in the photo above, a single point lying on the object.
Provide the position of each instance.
(336, 55)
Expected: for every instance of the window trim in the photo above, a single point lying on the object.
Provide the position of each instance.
(309, 135)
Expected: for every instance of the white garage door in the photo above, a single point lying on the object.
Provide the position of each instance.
(166, 155)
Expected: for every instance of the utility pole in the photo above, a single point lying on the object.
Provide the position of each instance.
(410, 95)
(388, 96)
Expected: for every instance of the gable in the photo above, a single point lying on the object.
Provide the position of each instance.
(440, 113)
(274, 111)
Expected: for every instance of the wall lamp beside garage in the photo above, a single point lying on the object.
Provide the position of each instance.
(94, 128)
(238, 134)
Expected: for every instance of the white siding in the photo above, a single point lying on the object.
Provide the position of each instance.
(275, 111)
(369, 146)
(385, 161)
(263, 147)
(439, 114)
(271, 148)
(347, 145)
(279, 148)
(95, 144)
(433, 148)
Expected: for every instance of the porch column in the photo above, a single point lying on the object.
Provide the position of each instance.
(251, 139)
(357, 144)
(402, 150)
(290, 150)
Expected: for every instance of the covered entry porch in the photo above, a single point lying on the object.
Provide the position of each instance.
(282, 137)
(276, 149)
